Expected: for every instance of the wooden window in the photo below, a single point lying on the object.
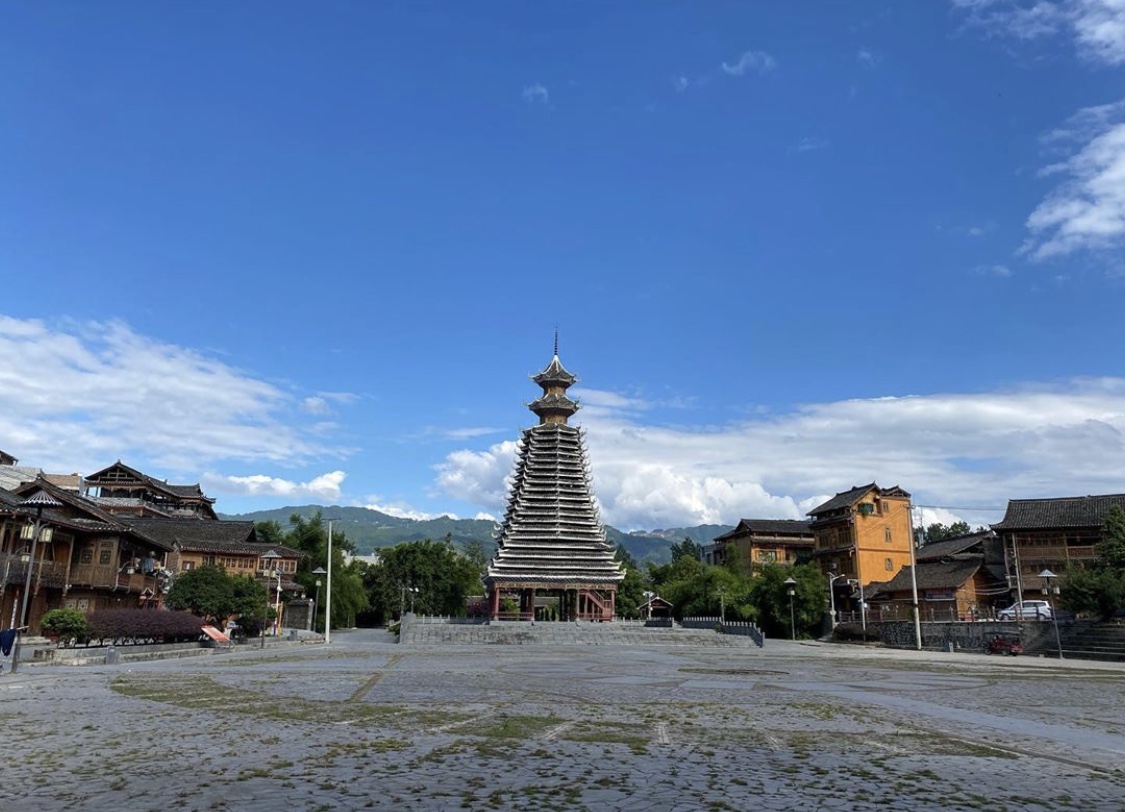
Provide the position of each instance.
(887, 535)
(889, 563)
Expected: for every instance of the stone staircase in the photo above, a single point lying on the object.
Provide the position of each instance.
(518, 633)
(1080, 641)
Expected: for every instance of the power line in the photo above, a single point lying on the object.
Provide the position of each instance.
(962, 507)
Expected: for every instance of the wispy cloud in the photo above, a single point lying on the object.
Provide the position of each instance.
(536, 93)
(78, 396)
(810, 144)
(681, 83)
(1086, 211)
(750, 61)
(1096, 26)
(993, 270)
(867, 58)
(949, 449)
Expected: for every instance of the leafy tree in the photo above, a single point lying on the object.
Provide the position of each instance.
(206, 591)
(940, 532)
(1096, 590)
(685, 549)
(771, 596)
(1111, 550)
(68, 625)
(1100, 588)
(432, 576)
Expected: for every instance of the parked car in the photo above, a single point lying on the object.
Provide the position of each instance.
(1026, 610)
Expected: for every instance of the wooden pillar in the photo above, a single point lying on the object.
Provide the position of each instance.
(532, 603)
(495, 601)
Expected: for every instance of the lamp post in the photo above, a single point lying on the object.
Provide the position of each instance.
(832, 578)
(648, 602)
(790, 587)
(40, 501)
(722, 605)
(1047, 577)
(319, 571)
(269, 569)
(328, 592)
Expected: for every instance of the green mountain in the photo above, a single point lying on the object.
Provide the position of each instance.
(369, 530)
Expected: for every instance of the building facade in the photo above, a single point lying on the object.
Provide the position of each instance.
(757, 542)
(1051, 534)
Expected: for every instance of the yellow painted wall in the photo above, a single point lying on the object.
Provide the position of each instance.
(882, 539)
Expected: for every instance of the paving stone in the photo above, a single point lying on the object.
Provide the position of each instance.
(636, 725)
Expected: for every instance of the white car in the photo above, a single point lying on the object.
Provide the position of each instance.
(1026, 610)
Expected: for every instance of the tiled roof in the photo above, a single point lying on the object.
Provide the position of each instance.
(780, 527)
(942, 549)
(842, 500)
(194, 535)
(935, 575)
(1067, 511)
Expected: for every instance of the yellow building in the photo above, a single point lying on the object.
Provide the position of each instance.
(863, 534)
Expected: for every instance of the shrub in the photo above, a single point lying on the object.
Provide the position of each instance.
(68, 625)
(144, 625)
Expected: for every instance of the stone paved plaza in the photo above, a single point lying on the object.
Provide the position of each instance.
(368, 724)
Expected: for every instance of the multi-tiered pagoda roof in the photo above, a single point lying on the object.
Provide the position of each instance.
(552, 536)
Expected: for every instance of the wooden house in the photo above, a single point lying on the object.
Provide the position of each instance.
(756, 542)
(1051, 534)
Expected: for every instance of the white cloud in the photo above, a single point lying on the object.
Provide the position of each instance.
(755, 61)
(1086, 211)
(401, 510)
(315, 405)
(867, 58)
(810, 144)
(961, 451)
(681, 83)
(993, 270)
(1097, 26)
(536, 93)
(324, 487)
(80, 396)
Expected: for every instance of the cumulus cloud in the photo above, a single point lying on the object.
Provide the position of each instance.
(750, 62)
(325, 487)
(79, 396)
(536, 93)
(1086, 210)
(967, 453)
(1097, 27)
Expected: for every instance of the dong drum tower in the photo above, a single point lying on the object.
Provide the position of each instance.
(552, 559)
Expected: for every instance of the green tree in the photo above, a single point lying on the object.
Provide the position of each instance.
(771, 596)
(1098, 591)
(685, 549)
(940, 532)
(1111, 550)
(432, 576)
(1099, 588)
(211, 593)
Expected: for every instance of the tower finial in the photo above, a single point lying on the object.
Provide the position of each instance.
(556, 339)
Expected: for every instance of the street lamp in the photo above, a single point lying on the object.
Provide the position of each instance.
(648, 595)
(317, 572)
(1047, 577)
(790, 586)
(328, 592)
(269, 569)
(832, 578)
(722, 605)
(40, 501)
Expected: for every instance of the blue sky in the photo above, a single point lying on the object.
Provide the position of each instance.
(312, 254)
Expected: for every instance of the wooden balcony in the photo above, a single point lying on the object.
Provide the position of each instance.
(13, 572)
(101, 576)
